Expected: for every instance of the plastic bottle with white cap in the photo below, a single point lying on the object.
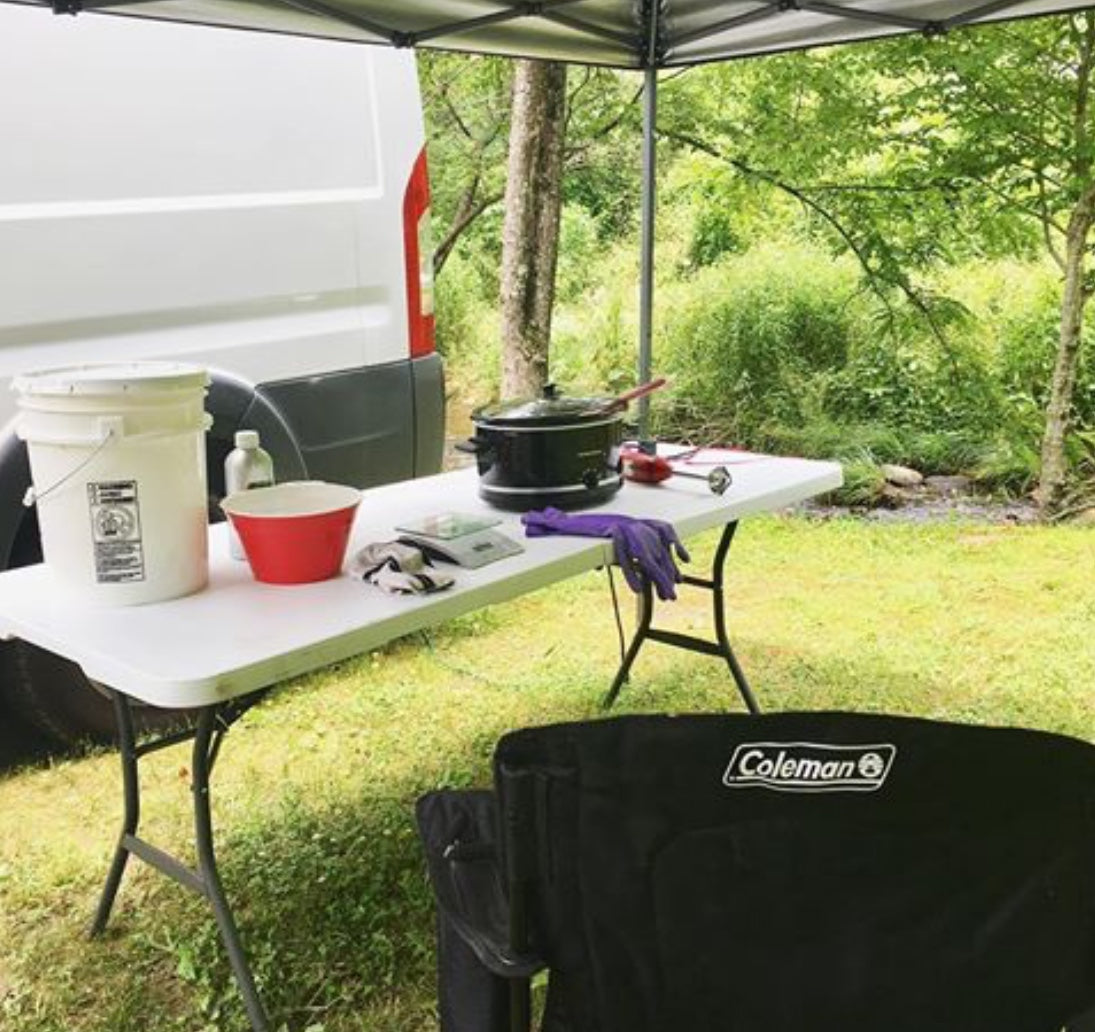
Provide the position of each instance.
(247, 466)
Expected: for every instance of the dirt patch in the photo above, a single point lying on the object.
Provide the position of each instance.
(934, 510)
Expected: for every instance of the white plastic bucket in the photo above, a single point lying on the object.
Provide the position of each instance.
(117, 459)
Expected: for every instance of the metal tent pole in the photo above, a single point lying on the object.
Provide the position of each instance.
(646, 267)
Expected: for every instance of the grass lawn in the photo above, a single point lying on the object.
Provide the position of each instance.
(315, 788)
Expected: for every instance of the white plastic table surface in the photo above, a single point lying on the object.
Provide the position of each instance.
(238, 635)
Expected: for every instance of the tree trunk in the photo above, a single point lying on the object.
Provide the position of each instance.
(530, 235)
(1054, 472)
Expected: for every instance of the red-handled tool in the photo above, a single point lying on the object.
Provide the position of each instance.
(643, 468)
(653, 469)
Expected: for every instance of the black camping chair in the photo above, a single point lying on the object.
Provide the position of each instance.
(814, 872)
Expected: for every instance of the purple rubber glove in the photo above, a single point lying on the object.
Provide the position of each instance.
(643, 548)
(554, 521)
(642, 555)
(668, 535)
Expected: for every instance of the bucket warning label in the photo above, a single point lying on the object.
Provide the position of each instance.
(116, 531)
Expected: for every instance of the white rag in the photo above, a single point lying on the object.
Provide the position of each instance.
(398, 569)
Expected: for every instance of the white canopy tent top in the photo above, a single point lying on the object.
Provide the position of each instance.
(617, 33)
(627, 34)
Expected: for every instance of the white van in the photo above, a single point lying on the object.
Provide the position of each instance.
(254, 203)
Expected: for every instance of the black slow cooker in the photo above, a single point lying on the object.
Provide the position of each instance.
(552, 450)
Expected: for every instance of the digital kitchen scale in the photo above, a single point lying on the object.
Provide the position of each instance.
(469, 550)
(448, 525)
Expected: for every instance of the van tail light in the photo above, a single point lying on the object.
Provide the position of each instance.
(418, 253)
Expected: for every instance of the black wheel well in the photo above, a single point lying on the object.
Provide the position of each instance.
(26, 548)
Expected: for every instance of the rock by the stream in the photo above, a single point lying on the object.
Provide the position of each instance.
(893, 497)
(901, 476)
(947, 486)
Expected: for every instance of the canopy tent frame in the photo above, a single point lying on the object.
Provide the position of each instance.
(644, 54)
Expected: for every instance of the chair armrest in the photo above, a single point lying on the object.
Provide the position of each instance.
(458, 830)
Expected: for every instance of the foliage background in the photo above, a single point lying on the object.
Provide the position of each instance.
(831, 280)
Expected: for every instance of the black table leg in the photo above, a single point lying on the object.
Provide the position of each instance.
(720, 647)
(210, 733)
(207, 734)
(132, 792)
(717, 585)
(642, 632)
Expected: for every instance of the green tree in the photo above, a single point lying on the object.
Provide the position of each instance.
(916, 152)
(530, 236)
(1009, 111)
(814, 131)
(467, 103)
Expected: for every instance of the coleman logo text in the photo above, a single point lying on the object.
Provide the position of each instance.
(809, 767)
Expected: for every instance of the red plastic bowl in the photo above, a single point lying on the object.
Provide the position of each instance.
(294, 533)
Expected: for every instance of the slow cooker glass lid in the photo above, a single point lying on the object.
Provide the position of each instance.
(551, 408)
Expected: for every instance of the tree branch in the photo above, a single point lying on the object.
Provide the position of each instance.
(1048, 225)
(931, 186)
(1081, 163)
(469, 210)
(586, 79)
(605, 128)
(875, 280)
(792, 191)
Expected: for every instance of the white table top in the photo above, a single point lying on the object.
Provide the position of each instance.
(237, 635)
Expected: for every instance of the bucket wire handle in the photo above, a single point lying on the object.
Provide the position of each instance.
(33, 497)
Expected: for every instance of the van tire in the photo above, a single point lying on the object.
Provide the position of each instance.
(53, 695)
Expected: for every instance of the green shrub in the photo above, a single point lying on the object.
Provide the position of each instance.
(1018, 309)
(943, 452)
(754, 337)
(917, 384)
(594, 343)
(467, 331)
(713, 235)
(1010, 465)
(777, 349)
(863, 484)
(579, 250)
(456, 300)
(1027, 348)
(822, 439)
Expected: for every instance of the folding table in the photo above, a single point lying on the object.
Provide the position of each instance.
(216, 651)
